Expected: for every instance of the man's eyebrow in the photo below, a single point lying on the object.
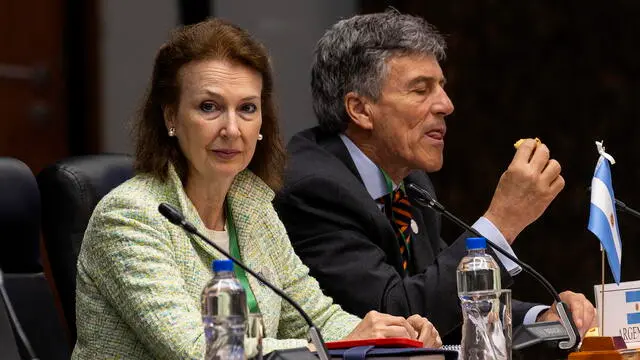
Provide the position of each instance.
(426, 79)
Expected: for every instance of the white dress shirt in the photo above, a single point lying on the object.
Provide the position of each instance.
(220, 238)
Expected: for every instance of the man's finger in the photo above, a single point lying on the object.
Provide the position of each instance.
(551, 172)
(540, 157)
(577, 309)
(557, 185)
(587, 314)
(594, 321)
(524, 152)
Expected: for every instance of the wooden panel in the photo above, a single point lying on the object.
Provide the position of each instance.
(33, 125)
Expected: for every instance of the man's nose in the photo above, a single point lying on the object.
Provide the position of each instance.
(443, 105)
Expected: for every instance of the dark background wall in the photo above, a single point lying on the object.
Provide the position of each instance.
(566, 72)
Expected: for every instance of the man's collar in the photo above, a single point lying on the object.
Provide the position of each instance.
(370, 174)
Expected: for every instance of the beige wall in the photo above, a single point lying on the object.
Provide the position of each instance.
(131, 32)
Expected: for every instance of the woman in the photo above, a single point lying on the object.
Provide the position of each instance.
(207, 143)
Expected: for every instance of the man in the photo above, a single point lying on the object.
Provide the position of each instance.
(379, 97)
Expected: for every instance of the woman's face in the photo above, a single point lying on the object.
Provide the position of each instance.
(218, 118)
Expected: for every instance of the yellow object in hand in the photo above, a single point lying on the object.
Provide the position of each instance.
(594, 331)
(519, 142)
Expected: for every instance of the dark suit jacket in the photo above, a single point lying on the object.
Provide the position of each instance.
(350, 246)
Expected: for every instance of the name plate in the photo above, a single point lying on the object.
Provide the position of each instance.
(621, 311)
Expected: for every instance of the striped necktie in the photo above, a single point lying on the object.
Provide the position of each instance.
(400, 219)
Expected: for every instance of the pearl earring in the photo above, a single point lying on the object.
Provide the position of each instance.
(172, 132)
(260, 137)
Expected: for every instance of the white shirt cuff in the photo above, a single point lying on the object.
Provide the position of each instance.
(491, 232)
(531, 315)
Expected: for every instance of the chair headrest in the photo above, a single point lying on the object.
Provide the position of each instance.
(19, 218)
(72, 188)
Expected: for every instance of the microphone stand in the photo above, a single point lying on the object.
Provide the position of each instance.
(175, 217)
(426, 199)
(625, 209)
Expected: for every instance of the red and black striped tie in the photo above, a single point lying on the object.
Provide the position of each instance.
(401, 220)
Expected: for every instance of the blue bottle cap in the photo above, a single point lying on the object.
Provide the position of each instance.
(474, 243)
(222, 265)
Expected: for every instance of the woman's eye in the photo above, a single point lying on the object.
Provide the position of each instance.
(249, 108)
(208, 107)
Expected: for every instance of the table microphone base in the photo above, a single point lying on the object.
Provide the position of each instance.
(528, 335)
(539, 341)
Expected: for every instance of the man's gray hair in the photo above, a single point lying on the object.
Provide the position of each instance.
(352, 54)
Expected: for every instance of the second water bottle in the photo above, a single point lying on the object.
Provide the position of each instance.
(483, 335)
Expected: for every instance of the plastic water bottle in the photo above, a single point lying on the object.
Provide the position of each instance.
(478, 278)
(477, 271)
(224, 313)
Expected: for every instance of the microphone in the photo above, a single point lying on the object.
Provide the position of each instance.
(531, 333)
(623, 207)
(175, 217)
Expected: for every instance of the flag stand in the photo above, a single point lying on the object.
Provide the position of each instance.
(602, 295)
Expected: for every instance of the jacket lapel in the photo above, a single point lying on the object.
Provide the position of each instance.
(250, 199)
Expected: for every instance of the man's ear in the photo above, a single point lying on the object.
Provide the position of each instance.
(359, 110)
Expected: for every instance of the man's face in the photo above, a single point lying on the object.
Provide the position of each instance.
(408, 118)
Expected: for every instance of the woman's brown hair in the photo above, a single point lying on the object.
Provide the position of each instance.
(213, 39)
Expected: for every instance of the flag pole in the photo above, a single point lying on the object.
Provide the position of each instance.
(602, 294)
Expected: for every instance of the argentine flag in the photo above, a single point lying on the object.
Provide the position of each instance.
(603, 221)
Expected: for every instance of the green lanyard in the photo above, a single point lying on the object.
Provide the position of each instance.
(240, 273)
(389, 183)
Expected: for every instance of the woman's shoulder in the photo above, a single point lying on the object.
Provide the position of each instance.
(132, 204)
(125, 216)
(143, 190)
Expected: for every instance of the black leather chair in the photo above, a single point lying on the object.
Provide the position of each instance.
(70, 190)
(25, 283)
(19, 217)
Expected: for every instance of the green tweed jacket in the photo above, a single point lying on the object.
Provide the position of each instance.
(140, 277)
